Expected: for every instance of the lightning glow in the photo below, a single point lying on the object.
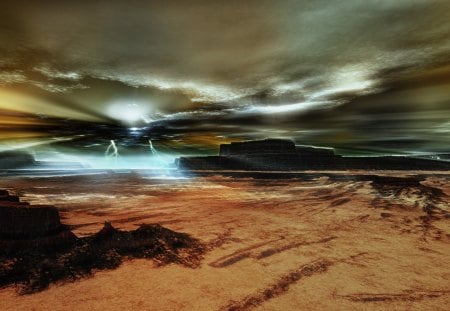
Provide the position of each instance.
(112, 151)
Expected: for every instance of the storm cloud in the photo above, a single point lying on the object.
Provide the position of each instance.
(356, 75)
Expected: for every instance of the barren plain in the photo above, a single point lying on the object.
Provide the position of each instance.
(379, 242)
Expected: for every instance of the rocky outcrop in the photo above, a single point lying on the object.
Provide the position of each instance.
(37, 268)
(19, 220)
(266, 146)
(24, 226)
(36, 249)
(284, 155)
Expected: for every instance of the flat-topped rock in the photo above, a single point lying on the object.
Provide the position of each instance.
(28, 222)
(19, 220)
(284, 155)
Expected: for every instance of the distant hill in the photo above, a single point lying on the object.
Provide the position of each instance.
(284, 155)
(16, 159)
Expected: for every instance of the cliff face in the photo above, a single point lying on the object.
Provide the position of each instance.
(268, 154)
(21, 221)
(267, 146)
(23, 226)
(283, 155)
(15, 159)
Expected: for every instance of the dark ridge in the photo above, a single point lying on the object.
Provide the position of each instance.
(36, 250)
(409, 295)
(283, 155)
(279, 287)
(429, 199)
(35, 268)
(407, 186)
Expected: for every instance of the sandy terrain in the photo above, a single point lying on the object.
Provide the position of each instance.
(322, 244)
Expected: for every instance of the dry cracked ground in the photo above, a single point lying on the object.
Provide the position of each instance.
(323, 243)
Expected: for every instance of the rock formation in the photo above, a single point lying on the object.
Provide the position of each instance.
(37, 250)
(23, 226)
(284, 155)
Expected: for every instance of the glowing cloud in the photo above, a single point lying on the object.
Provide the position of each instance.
(130, 112)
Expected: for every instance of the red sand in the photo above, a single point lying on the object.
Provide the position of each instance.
(276, 245)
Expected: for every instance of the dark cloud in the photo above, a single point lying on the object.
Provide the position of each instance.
(368, 75)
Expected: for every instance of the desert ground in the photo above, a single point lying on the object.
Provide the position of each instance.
(319, 243)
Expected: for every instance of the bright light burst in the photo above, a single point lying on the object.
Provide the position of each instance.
(130, 112)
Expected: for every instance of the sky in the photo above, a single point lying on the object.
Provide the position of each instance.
(364, 77)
